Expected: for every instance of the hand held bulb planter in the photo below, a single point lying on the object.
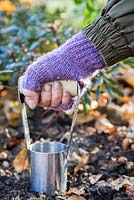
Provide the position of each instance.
(48, 160)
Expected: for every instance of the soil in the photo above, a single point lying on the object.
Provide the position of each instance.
(103, 155)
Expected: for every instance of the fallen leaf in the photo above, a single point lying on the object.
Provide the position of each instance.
(130, 192)
(102, 124)
(77, 191)
(20, 162)
(114, 113)
(32, 2)
(124, 181)
(75, 197)
(122, 160)
(68, 192)
(83, 152)
(130, 165)
(12, 112)
(125, 143)
(112, 136)
(3, 93)
(129, 116)
(80, 160)
(122, 131)
(42, 196)
(126, 99)
(103, 99)
(79, 167)
(128, 75)
(94, 178)
(128, 111)
(13, 141)
(90, 130)
(95, 150)
(58, 198)
(6, 5)
(81, 119)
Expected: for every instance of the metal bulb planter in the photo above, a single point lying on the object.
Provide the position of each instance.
(47, 160)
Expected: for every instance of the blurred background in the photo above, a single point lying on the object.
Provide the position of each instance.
(29, 29)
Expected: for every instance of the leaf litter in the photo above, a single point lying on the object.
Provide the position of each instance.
(101, 164)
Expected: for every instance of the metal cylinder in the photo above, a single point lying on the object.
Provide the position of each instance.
(48, 167)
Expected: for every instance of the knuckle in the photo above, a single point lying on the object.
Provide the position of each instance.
(66, 95)
(57, 96)
(47, 98)
(45, 104)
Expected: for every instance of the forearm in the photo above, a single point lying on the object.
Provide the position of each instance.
(113, 32)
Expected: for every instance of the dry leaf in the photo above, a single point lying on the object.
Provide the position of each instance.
(79, 167)
(43, 196)
(20, 162)
(103, 99)
(81, 159)
(68, 192)
(95, 150)
(102, 124)
(128, 75)
(128, 111)
(83, 152)
(94, 178)
(90, 130)
(32, 2)
(77, 191)
(12, 112)
(6, 5)
(125, 143)
(124, 181)
(81, 119)
(75, 197)
(3, 93)
(126, 99)
(112, 137)
(130, 192)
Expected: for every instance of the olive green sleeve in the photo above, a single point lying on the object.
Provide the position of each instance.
(113, 32)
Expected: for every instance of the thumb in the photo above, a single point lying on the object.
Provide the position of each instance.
(31, 98)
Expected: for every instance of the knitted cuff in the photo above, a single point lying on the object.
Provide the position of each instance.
(68, 107)
(108, 39)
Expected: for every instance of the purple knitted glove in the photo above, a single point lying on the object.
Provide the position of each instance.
(75, 60)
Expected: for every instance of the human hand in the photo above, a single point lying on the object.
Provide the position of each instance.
(76, 60)
(53, 95)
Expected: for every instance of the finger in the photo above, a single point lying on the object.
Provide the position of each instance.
(46, 96)
(57, 92)
(31, 98)
(66, 98)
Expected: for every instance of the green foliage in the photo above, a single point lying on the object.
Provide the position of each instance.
(24, 36)
(103, 82)
(90, 8)
(28, 33)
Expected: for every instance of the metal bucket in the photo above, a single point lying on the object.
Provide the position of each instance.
(47, 161)
(48, 167)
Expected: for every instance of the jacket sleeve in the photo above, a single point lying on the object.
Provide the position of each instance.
(113, 32)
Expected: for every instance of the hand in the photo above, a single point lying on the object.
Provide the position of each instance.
(76, 60)
(50, 96)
